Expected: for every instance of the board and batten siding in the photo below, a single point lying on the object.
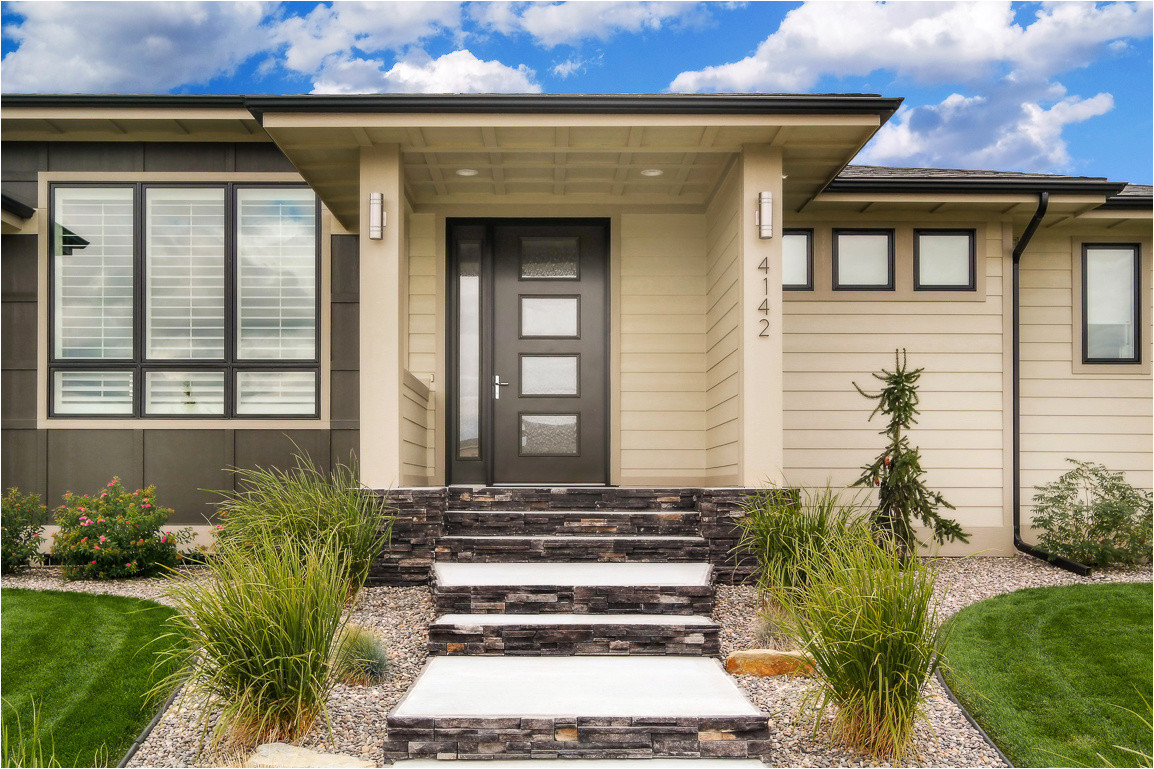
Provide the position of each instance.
(722, 337)
(421, 349)
(833, 341)
(662, 349)
(1068, 410)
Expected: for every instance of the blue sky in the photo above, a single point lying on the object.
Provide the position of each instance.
(1051, 87)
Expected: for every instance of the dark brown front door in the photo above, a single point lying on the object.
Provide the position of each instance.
(546, 345)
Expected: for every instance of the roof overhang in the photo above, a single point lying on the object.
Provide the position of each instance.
(15, 216)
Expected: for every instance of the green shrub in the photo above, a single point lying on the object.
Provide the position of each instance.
(22, 518)
(361, 658)
(304, 504)
(867, 619)
(114, 533)
(259, 636)
(1093, 516)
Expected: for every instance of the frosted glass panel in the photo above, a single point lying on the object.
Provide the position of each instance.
(92, 273)
(549, 258)
(795, 260)
(184, 251)
(184, 392)
(1110, 304)
(549, 375)
(863, 260)
(469, 351)
(549, 316)
(276, 274)
(276, 392)
(548, 435)
(944, 260)
(92, 392)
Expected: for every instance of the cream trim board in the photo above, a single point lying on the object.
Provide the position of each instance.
(1146, 327)
(14, 225)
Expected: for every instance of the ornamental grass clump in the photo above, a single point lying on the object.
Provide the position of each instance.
(867, 619)
(302, 505)
(259, 634)
(360, 658)
(22, 518)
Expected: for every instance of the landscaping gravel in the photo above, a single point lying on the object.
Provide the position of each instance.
(401, 617)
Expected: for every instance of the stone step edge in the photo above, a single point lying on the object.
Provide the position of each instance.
(578, 538)
(439, 582)
(575, 621)
(574, 512)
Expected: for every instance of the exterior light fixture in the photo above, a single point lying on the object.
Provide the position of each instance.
(763, 217)
(651, 172)
(376, 216)
(466, 172)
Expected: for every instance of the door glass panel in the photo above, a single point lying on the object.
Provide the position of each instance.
(548, 435)
(549, 258)
(549, 374)
(469, 350)
(549, 316)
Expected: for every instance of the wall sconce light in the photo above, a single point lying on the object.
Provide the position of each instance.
(376, 216)
(763, 217)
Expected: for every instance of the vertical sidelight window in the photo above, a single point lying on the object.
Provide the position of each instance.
(184, 300)
(469, 350)
(1110, 306)
(797, 260)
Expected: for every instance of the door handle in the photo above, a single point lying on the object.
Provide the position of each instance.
(497, 385)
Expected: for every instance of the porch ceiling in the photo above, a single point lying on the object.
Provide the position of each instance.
(562, 158)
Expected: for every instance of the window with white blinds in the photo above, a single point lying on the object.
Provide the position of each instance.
(184, 301)
(276, 274)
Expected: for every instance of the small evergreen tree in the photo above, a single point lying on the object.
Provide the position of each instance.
(897, 472)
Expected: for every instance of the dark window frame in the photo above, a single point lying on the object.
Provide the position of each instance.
(139, 365)
(971, 285)
(1136, 250)
(838, 232)
(808, 285)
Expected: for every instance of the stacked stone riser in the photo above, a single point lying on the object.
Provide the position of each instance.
(576, 498)
(626, 737)
(543, 522)
(567, 550)
(565, 599)
(599, 639)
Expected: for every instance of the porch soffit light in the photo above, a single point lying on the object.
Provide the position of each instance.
(651, 172)
(466, 172)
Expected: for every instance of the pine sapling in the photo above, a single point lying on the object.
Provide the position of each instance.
(897, 472)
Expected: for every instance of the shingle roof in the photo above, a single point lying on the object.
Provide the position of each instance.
(1132, 196)
(855, 178)
(894, 172)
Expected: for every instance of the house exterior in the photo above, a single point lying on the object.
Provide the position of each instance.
(664, 291)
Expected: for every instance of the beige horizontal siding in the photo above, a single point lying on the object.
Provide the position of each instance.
(415, 433)
(424, 278)
(723, 317)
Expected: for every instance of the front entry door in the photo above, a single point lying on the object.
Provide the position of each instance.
(547, 348)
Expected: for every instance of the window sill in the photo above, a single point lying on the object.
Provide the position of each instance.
(269, 423)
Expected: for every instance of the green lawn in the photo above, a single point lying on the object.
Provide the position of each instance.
(82, 658)
(1047, 671)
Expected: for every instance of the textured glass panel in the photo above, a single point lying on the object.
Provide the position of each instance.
(548, 435)
(549, 316)
(469, 351)
(184, 288)
(1110, 303)
(944, 260)
(184, 392)
(795, 259)
(863, 260)
(548, 374)
(549, 258)
(276, 274)
(276, 392)
(92, 273)
(92, 392)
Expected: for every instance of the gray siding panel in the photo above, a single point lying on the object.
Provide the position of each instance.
(345, 398)
(96, 156)
(187, 157)
(186, 466)
(22, 462)
(84, 461)
(346, 336)
(18, 345)
(19, 275)
(275, 448)
(346, 268)
(18, 399)
(23, 191)
(345, 444)
(261, 157)
(21, 160)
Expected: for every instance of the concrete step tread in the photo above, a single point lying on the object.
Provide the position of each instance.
(585, 513)
(590, 538)
(598, 763)
(572, 574)
(559, 687)
(468, 620)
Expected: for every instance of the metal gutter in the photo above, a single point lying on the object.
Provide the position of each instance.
(15, 207)
(119, 100)
(1015, 331)
(970, 185)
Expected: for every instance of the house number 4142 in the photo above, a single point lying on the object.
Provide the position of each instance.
(763, 308)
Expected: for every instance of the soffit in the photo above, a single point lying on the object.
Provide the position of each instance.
(562, 158)
(127, 124)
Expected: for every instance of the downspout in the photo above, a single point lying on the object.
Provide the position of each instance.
(1019, 543)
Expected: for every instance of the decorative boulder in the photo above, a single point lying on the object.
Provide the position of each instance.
(278, 755)
(769, 662)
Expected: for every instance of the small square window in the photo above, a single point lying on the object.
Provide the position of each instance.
(797, 260)
(863, 260)
(944, 260)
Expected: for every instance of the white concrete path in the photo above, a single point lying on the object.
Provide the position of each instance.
(574, 574)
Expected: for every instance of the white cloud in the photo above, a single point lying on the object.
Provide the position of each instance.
(575, 65)
(455, 72)
(552, 24)
(114, 47)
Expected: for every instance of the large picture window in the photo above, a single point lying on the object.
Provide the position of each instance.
(1110, 307)
(193, 301)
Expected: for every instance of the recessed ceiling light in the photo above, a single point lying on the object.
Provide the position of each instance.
(466, 172)
(651, 172)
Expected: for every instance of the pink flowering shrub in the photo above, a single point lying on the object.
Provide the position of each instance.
(21, 520)
(114, 533)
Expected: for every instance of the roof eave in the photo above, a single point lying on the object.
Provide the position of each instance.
(977, 186)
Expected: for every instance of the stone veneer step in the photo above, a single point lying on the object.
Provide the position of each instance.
(574, 634)
(588, 707)
(572, 549)
(602, 763)
(529, 522)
